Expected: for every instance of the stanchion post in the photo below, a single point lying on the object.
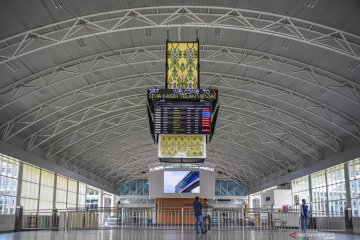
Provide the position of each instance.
(18, 218)
(182, 219)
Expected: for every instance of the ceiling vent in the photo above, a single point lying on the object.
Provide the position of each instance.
(286, 43)
(58, 3)
(13, 66)
(148, 32)
(211, 64)
(218, 32)
(310, 3)
(81, 43)
(355, 64)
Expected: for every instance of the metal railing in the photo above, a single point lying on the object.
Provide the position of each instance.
(177, 218)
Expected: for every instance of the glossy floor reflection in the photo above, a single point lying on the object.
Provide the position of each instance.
(136, 234)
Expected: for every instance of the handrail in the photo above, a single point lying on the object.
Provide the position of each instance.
(178, 218)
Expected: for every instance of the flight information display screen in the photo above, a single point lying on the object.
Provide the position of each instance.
(182, 117)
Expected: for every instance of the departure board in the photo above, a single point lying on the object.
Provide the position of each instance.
(182, 117)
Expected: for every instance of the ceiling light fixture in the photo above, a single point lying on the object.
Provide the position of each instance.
(218, 32)
(355, 64)
(58, 3)
(13, 66)
(81, 43)
(310, 3)
(148, 32)
(286, 43)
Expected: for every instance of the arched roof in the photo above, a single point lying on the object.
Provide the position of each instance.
(74, 75)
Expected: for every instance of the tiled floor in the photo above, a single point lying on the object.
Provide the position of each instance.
(136, 234)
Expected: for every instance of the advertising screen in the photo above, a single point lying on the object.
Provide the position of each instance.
(181, 182)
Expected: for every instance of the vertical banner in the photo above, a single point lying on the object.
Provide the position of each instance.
(182, 65)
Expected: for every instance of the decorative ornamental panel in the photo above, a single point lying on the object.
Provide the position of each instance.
(182, 61)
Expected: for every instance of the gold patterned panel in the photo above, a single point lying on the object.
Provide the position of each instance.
(182, 146)
(182, 60)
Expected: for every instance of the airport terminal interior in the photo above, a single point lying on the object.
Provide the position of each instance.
(178, 119)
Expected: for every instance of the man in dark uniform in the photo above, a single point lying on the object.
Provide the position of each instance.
(198, 215)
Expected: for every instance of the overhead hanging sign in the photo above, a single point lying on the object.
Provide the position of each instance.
(182, 65)
(182, 94)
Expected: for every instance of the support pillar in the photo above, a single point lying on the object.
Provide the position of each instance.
(348, 209)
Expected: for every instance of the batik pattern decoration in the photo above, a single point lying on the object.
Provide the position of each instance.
(182, 146)
(182, 61)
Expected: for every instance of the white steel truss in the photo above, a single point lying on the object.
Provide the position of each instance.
(340, 119)
(103, 129)
(193, 16)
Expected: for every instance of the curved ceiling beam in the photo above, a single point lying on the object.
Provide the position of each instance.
(74, 141)
(107, 163)
(33, 82)
(195, 16)
(255, 100)
(114, 152)
(66, 158)
(296, 107)
(81, 136)
(235, 61)
(71, 135)
(83, 151)
(240, 111)
(93, 96)
(56, 128)
(230, 136)
(259, 118)
(259, 163)
(56, 131)
(116, 173)
(226, 132)
(283, 138)
(109, 155)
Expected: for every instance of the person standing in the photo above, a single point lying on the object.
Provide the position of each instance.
(304, 216)
(207, 214)
(198, 215)
(118, 213)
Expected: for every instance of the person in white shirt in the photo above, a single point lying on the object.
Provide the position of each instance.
(207, 214)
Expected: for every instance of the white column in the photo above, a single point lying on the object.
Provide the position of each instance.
(77, 194)
(310, 192)
(18, 191)
(113, 200)
(101, 199)
(54, 192)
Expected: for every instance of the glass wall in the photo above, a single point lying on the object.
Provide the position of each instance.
(61, 192)
(44, 190)
(8, 184)
(92, 198)
(354, 177)
(328, 189)
(30, 186)
(336, 189)
(319, 193)
(71, 194)
(229, 188)
(81, 195)
(134, 187)
(300, 189)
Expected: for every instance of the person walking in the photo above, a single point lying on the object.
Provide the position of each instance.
(198, 215)
(304, 216)
(207, 215)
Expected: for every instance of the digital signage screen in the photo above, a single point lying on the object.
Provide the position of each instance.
(181, 182)
(182, 118)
